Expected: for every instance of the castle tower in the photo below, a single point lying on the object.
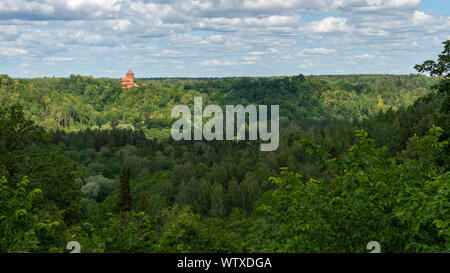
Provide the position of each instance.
(130, 75)
(128, 81)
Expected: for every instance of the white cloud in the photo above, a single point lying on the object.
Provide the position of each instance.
(58, 59)
(330, 24)
(318, 50)
(225, 33)
(10, 51)
(268, 51)
(307, 64)
(251, 58)
(216, 63)
(421, 18)
(364, 56)
(387, 5)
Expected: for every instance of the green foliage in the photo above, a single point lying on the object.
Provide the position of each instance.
(125, 233)
(25, 153)
(143, 205)
(16, 133)
(19, 224)
(78, 102)
(367, 196)
(186, 232)
(440, 68)
(98, 187)
(131, 232)
(124, 202)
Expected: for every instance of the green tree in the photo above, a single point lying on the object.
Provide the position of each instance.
(440, 68)
(143, 205)
(16, 133)
(19, 224)
(217, 200)
(124, 202)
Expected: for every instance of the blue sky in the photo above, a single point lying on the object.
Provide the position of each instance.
(218, 38)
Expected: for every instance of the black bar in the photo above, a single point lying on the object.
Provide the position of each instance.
(190, 262)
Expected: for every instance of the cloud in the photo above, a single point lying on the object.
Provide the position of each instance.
(58, 59)
(421, 18)
(364, 56)
(251, 58)
(216, 63)
(387, 5)
(268, 51)
(317, 50)
(307, 64)
(59, 9)
(207, 37)
(9, 51)
(330, 24)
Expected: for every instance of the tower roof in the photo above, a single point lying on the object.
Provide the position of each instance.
(128, 81)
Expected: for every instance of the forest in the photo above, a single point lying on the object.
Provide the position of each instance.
(361, 158)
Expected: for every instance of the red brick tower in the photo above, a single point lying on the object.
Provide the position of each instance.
(128, 81)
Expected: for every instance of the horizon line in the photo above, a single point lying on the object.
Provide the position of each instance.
(220, 77)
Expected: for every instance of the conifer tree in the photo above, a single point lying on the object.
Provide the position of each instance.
(124, 203)
(143, 204)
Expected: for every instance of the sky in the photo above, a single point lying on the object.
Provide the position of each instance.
(219, 38)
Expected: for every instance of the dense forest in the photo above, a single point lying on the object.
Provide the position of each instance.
(361, 158)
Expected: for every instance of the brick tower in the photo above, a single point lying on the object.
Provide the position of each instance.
(128, 81)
